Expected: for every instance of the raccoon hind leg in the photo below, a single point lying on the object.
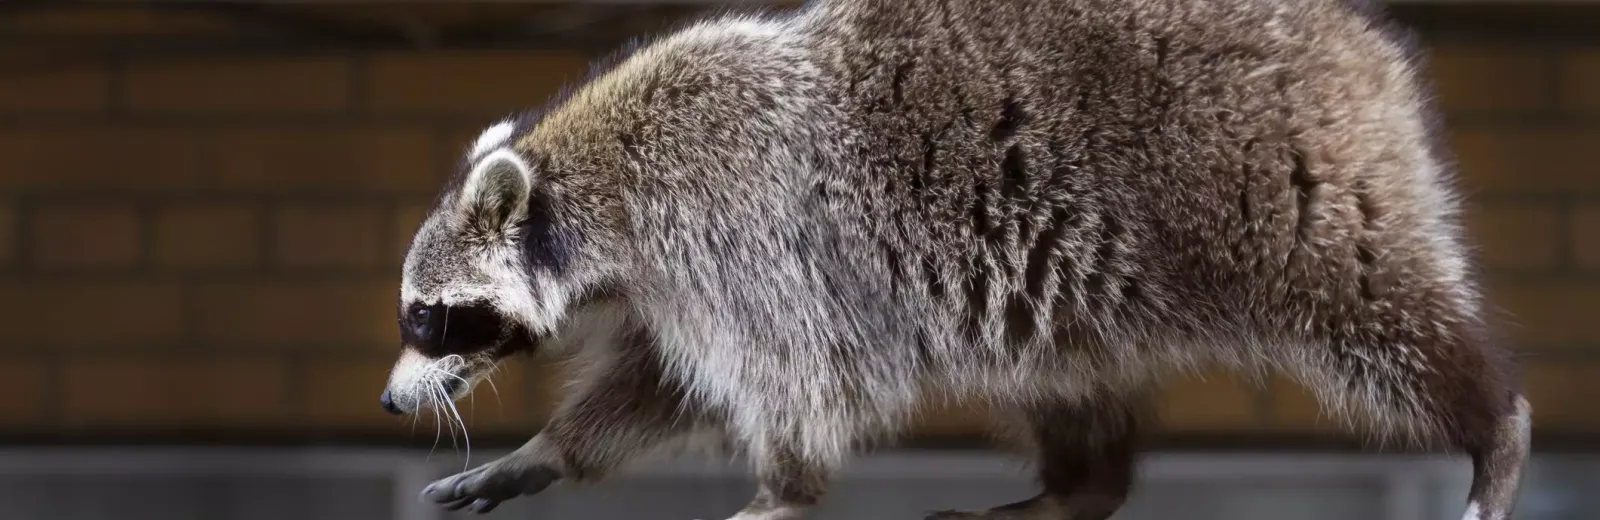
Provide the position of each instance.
(1085, 452)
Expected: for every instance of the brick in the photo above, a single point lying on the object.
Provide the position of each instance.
(458, 139)
(357, 158)
(344, 394)
(437, 14)
(1521, 237)
(107, 20)
(47, 87)
(1482, 77)
(1293, 407)
(123, 314)
(206, 237)
(1580, 79)
(407, 220)
(319, 84)
(1562, 395)
(471, 82)
(111, 159)
(544, 384)
(1526, 160)
(152, 392)
(1549, 314)
(83, 236)
(1214, 400)
(297, 314)
(1585, 238)
(8, 234)
(520, 400)
(26, 388)
(953, 420)
(327, 237)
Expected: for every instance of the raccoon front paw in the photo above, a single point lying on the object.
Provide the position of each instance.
(483, 488)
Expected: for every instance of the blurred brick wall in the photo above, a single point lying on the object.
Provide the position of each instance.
(211, 243)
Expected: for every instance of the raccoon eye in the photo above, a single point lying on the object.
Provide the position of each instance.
(420, 315)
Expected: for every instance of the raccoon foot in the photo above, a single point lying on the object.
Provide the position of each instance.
(960, 515)
(969, 515)
(1042, 507)
(789, 485)
(775, 513)
(1030, 509)
(481, 489)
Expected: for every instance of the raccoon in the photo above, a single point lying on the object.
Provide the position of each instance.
(784, 233)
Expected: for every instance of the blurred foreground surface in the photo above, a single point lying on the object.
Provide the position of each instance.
(356, 485)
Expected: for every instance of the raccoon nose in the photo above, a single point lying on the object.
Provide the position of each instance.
(388, 403)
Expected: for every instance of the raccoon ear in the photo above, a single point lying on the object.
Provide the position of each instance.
(496, 191)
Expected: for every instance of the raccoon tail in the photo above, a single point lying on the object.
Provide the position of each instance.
(1498, 457)
(1456, 389)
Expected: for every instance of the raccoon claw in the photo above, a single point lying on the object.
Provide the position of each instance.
(484, 488)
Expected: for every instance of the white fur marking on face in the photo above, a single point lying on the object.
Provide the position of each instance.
(407, 379)
(1472, 512)
(492, 138)
(418, 381)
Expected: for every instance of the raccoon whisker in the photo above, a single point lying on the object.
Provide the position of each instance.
(453, 361)
(447, 399)
(441, 417)
(435, 393)
(436, 431)
(448, 374)
(440, 401)
(465, 439)
(445, 332)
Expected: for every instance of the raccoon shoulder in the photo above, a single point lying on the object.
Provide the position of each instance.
(682, 100)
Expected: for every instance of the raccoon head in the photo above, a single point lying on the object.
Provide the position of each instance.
(488, 273)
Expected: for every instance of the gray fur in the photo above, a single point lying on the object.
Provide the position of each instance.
(799, 227)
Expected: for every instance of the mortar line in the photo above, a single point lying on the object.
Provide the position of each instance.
(359, 91)
(14, 234)
(267, 240)
(24, 263)
(1566, 261)
(364, 118)
(53, 402)
(116, 64)
(144, 236)
(297, 401)
(1554, 87)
